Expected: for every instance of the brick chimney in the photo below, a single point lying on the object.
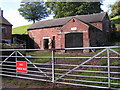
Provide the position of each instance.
(1, 12)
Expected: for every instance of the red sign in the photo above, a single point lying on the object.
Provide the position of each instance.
(21, 66)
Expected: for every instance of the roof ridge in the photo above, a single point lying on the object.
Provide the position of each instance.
(97, 17)
(56, 18)
(104, 15)
(73, 16)
(4, 21)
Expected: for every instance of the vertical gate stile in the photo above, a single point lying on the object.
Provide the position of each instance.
(108, 62)
(53, 67)
(16, 59)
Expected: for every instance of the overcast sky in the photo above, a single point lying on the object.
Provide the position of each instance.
(11, 13)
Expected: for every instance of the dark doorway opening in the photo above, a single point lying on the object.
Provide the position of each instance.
(46, 41)
(73, 40)
(53, 42)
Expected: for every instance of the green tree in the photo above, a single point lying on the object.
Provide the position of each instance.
(33, 11)
(115, 8)
(64, 9)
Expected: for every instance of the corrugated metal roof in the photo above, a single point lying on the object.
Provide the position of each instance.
(98, 17)
(4, 21)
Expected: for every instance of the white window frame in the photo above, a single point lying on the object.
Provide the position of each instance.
(46, 37)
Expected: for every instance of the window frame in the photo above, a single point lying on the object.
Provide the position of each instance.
(4, 30)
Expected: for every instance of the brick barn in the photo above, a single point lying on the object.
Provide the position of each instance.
(6, 29)
(71, 32)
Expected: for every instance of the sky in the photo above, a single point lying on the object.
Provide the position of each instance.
(10, 11)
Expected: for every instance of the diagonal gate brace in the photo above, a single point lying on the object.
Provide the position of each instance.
(7, 57)
(114, 51)
(33, 64)
(81, 64)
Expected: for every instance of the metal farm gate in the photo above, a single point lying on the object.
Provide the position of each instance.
(99, 69)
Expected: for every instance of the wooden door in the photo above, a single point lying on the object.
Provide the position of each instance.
(73, 40)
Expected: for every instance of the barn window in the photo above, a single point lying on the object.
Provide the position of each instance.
(73, 28)
(4, 31)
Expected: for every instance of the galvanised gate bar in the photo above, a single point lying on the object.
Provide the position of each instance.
(99, 69)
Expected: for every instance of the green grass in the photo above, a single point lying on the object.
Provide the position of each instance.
(44, 54)
(48, 54)
(15, 82)
(40, 61)
(115, 20)
(115, 43)
(21, 29)
(41, 83)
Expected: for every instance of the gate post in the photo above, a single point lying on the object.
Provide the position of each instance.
(53, 67)
(108, 62)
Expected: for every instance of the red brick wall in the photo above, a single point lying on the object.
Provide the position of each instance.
(59, 33)
(80, 27)
(75, 23)
(38, 35)
(98, 24)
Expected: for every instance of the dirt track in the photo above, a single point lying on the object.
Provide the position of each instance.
(21, 84)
